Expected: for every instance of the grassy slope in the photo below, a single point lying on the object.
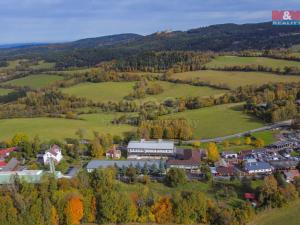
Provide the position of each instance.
(43, 65)
(295, 48)
(172, 90)
(4, 91)
(35, 81)
(161, 189)
(283, 216)
(221, 61)
(235, 79)
(116, 91)
(49, 128)
(106, 91)
(219, 120)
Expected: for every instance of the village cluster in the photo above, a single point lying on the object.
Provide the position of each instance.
(279, 156)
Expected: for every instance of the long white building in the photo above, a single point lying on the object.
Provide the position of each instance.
(150, 149)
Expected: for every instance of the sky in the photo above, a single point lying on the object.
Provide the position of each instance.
(26, 21)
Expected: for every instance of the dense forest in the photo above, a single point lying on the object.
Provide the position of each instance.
(217, 38)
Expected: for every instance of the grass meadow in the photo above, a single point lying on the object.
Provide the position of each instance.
(105, 91)
(219, 120)
(4, 91)
(172, 90)
(42, 65)
(116, 91)
(288, 215)
(59, 128)
(235, 79)
(35, 81)
(222, 61)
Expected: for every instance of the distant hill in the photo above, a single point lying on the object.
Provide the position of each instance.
(222, 37)
(103, 41)
(21, 45)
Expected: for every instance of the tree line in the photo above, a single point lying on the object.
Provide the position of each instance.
(96, 198)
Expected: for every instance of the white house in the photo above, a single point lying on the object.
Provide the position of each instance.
(229, 155)
(113, 153)
(53, 153)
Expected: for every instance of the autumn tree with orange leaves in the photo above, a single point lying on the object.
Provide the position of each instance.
(162, 210)
(74, 210)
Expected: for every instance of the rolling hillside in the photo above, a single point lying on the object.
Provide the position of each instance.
(223, 37)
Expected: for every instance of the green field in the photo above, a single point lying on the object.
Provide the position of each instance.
(219, 120)
(11, 65)
(172, 90)
(106, 91)
(295, 48)
(116, 91)
(57, 128)
(297, 54)
(4, 91)
(288, 215)
(42, 65)
(222, 61)
(235, 79)
(35, 81)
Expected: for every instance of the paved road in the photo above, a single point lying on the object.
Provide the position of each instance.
(220, 139)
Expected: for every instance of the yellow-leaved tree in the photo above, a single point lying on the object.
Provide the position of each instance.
(213, 154)
(248, 141)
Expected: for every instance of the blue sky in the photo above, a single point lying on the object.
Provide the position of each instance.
(65, 20)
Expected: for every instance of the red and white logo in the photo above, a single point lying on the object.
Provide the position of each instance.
(285, 15)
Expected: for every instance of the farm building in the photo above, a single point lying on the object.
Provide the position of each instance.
(150, 149)
(281, 145)
(97, 164)
(12, 165)
(190, 161)
(30, 176)
(257, 167)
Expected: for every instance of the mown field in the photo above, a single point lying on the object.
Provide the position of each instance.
(235, 79)
(4, 91)
(222, 61)
(59, 128)
(172, 90)
(288, 215)
(116, 91)
(35, 81)
(219, 120)
(106, 91)
(42, 65)
(295, 48)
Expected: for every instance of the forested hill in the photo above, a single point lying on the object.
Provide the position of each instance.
(223, 37)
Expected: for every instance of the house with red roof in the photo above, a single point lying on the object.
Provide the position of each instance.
(6, 152)
(190, 161)
(2, 164)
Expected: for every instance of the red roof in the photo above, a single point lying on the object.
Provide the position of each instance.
(225, 171)
(3, 163)
(249, 196)
(5, 152)
(192, 158)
